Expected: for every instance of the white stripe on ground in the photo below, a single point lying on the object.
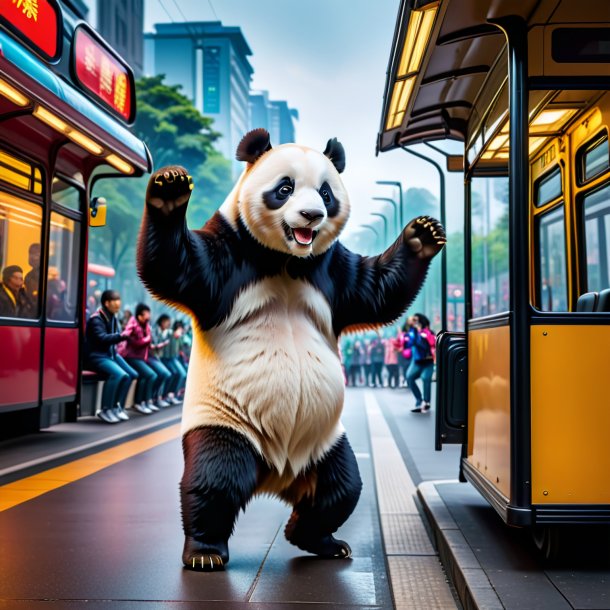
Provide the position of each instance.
(416, 575)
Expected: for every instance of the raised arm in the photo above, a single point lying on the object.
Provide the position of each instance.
(376, 290)
(172, 261)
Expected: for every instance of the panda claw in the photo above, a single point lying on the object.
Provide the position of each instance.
(206, 563)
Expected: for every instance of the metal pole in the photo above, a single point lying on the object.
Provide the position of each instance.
(399, 185)
(519, 508)
(398, 228)
(385, 227)
(443, 222)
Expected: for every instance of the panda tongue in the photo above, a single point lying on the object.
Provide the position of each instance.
(303, 236)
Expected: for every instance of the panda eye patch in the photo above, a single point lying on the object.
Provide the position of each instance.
(277, 196)
(328, 197)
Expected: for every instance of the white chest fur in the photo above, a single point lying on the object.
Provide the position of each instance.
(271, 371)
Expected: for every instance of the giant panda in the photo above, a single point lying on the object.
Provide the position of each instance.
(270, 289)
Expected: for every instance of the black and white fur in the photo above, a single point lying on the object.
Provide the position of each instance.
(270, 290)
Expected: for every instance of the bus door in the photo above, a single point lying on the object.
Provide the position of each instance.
(62, 303)
(21, 232)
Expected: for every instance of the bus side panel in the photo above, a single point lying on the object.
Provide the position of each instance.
(489, 404)
(19, 365)
(60, 363)
(570, 414)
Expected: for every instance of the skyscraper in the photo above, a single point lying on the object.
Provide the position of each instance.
(274, 115)
(210, 62)
(121, 23)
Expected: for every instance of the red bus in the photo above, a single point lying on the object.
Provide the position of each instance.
(66, 103)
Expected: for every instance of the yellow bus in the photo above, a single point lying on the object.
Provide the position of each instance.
(526, 87)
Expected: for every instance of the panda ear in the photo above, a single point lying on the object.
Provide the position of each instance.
(336, 153)
(253, 145)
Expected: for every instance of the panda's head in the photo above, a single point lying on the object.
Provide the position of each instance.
(290, 197)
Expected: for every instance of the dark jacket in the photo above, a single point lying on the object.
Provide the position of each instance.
(21, 307)
(102, 334)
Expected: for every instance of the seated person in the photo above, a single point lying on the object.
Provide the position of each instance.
(101, 337)
(14, 301)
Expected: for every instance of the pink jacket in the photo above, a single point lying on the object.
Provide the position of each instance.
(138, 340)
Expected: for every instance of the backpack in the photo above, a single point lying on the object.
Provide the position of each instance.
(427, 346)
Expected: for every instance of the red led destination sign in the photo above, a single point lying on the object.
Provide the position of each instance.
(37, 22)
(101, 74)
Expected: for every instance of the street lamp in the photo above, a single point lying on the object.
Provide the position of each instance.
(399, 185)
(397, 226)
(442, 209)
(372, 228)
(385, 227)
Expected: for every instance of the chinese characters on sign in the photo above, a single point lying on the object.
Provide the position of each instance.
(101, 74)
(37, 21)
(30, 8)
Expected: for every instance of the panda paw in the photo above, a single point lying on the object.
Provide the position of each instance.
(327, 547)
(203, 557)
(425, 236)
(169, 188)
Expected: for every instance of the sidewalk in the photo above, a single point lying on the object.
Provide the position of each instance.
(490, 564)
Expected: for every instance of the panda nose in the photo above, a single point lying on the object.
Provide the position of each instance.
(312, 215)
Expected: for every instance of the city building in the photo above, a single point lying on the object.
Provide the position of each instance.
(210, 62)
(120, 23)
(275, 116)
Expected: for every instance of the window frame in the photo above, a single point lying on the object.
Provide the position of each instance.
(581, 153)
(78, 218)
(555, 207)
(582, 236)
(37, 199)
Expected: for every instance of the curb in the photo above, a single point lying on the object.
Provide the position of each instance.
(460, 563)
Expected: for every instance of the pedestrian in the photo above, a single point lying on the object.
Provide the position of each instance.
(423, 345)
(404, 356)
(136, 352)
(392, 347)
(377, 351)
(354, 377)
(102, 334)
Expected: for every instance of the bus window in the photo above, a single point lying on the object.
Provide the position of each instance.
(66, 195)
(595, 160)
(20, 234)
(552, 282)
(63, 270)
(596, 210)
(489, 247)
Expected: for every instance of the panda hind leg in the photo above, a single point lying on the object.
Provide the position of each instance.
(315, 519)
(220, 476)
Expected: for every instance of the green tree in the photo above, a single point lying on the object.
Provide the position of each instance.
(176, 134)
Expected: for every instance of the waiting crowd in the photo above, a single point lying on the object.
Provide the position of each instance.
(131, 350)
(156, 358)
(396, 359)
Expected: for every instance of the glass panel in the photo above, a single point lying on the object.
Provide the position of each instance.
(574, 45)
(66, 195)
(63, 271)
(597, 219)
(489, 254)
(20, 234)
(19, 174)
(549, 187)
(553, 281)
(597, 160)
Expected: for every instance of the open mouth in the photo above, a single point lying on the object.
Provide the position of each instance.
(301, 235)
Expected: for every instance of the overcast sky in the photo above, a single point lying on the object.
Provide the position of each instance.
(328, 59)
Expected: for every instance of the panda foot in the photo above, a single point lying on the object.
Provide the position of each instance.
(203, 557)
(327, 547)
